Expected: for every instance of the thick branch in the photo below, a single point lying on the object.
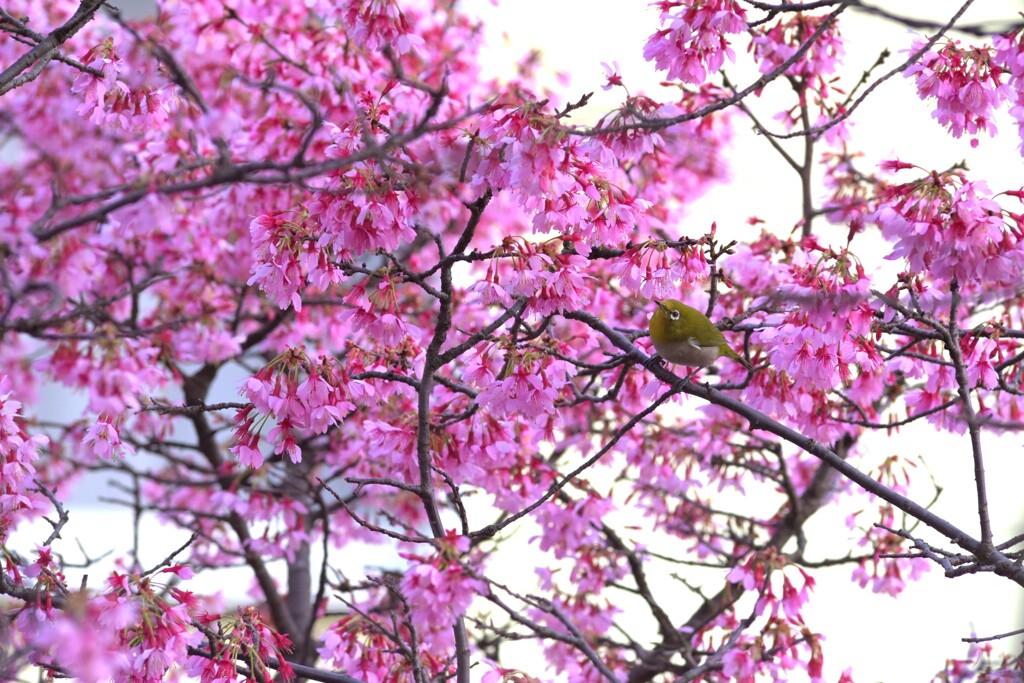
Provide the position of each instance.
(967, 408)
(37, 58)
(1001, 564)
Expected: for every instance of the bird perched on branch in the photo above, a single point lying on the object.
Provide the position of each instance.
(685, 336)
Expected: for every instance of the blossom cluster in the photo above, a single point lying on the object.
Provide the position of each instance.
(439, 589)
(1009, 55)
(778, 42)
(954, 228)
(18, 453)
(298, 393)
(966, 84)
(109, 101)
(695, 42)
(137, 629)
(286, 258)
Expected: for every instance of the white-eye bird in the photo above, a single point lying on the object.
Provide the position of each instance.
(683, 335)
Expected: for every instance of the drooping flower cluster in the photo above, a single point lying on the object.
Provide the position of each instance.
(161, 637)
(109, 101)
(298, 393)
(819, 336)
(1009, 55)
(667, 168)
(287, 257)
(18, 453)
(530, 385)
(885, 575)
(784, 626)
(813, 74)
(951, 227)
(375, 313)
(86, 638)
(103, 441)
(361, 648)
(654, 271)
(116, 373)
(246, 637)
(439, 589)
(965, 83)
(567, 186)
(695, 42)
(779, 41)
(374, 23)
(138, 629)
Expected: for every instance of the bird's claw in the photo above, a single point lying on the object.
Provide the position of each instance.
(691, 374)
(654, 361)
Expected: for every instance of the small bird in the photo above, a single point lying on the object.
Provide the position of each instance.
(683, 335)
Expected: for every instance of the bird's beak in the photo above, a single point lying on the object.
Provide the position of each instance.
(662, 306)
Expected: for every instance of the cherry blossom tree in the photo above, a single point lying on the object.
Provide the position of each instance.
(435, 288)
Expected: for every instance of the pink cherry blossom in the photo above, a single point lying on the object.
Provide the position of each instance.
(18, 454)
(1009, 56)
(316, 404)
(374, 318)
(965, 84)
(694, 43)
(779, 41)
(986, 249)
(103, 441)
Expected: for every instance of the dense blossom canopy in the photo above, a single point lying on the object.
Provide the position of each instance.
(322, 284)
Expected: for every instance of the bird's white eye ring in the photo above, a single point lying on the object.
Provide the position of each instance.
(674, 315)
